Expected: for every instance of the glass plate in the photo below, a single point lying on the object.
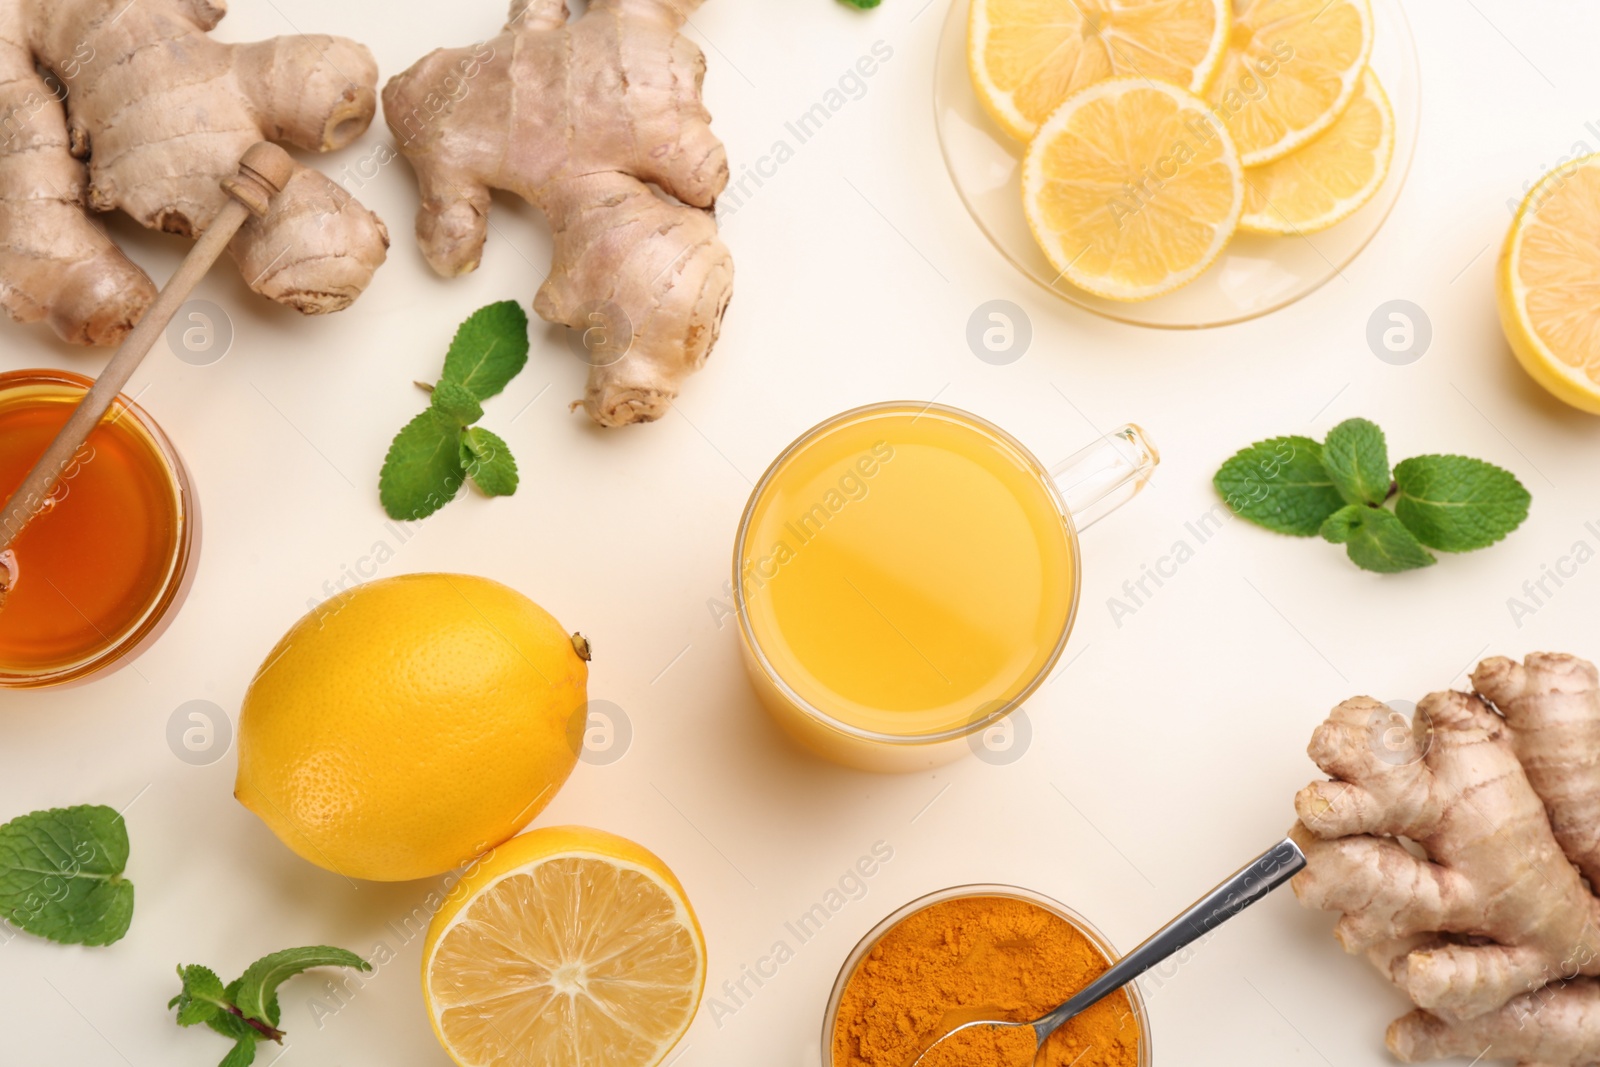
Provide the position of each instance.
(1253, 276)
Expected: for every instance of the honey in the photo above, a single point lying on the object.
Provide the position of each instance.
(98, 570)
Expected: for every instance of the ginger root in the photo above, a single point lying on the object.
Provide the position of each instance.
(1494, 930)
(1557, 1025)
(139, 110)
(581, 118)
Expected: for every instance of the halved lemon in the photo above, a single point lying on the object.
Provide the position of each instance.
(565, 947)
(1290, 70)
(1027, 56)
(1548, 283)
(1328, 180)
(1132, 189)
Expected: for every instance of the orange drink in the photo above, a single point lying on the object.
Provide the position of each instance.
(905, 575)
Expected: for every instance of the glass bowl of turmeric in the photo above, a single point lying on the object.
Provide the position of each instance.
(972, 946)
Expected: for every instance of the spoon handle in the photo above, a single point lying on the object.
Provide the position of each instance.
(1272, 869)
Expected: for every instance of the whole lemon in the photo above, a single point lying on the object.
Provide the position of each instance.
(408, 724)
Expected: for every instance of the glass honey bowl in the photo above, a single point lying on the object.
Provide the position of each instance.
(99, 572)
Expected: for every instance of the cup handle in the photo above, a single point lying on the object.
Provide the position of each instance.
(1098, 479)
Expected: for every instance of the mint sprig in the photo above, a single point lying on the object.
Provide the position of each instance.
(439, 450)
(246, 1009)
(1340, 488)
(61, 875)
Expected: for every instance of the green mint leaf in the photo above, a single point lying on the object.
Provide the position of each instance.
(1357, 459)
(865, 5)
(1342, 525)
(258, 986)
(488, 462)
(456, 404)
(1456, 504)
(243, 1054)
(1375, 539)
(61, 875)
(201, 999)
(489, 349)
(1280, 484)
(422, 472)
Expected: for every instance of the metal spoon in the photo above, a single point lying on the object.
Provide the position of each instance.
(1272, 869)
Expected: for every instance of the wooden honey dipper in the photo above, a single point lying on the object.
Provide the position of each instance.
(264, 169)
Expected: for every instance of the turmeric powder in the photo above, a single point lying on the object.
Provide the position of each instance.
(988, 1046)
(971, 952)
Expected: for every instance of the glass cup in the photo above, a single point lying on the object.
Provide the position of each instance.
(1141, 1014)
(98, 574)
(906, 575)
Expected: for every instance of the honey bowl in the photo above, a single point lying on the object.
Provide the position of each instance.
(98, 573)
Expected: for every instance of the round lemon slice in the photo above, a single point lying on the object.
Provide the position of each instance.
(1549, 283)
(1290, 70)
(1027, 56)
(1329, 179)
(565, 947)
(1132, 188)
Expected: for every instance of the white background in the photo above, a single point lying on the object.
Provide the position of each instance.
(1165, 755)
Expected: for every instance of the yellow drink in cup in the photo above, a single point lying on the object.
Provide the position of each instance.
(907, 574)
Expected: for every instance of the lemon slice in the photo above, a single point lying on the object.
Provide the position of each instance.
(565, 947)
(1329, 179)
(1549, 283)
(1132, 189)
(1290, 70)
(1027, 56)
